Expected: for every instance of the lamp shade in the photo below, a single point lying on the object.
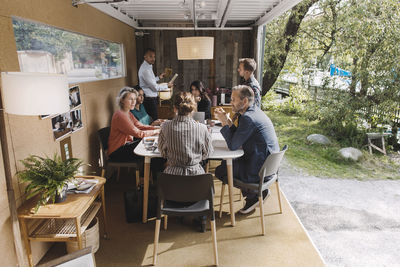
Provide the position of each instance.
(34, 93)
(189, 48)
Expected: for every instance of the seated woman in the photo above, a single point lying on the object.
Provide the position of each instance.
(183, 141)
(124, 126)
(140, 112)
(202, 99)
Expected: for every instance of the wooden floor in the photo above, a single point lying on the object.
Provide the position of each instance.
(285, 243)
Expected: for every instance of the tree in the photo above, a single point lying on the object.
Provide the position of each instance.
(277, 49)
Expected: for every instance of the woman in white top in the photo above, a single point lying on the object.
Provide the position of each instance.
(184, 142)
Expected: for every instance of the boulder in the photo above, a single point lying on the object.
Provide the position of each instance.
(319, 139)
(350, 153)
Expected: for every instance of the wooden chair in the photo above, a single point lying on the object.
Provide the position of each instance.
(268, 176)
(104, 161)
(173, 189)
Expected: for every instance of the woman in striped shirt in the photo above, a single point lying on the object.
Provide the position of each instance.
(183, 141)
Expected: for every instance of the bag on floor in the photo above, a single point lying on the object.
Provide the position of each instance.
(134, 204)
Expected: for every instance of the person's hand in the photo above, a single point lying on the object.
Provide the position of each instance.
(170, 85)
(156, 131)
(221, 115)
(197, 98)
(161, 75)
(157, 122)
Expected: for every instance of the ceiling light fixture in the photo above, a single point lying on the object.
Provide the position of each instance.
(75, 3)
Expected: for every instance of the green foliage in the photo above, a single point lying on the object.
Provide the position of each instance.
(324, 161)
(47, 176)
(360, 36)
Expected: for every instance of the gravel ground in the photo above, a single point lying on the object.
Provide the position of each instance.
(351, 222)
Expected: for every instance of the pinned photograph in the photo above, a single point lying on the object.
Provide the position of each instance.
(74, 97)
(76, 117)
(62, 125)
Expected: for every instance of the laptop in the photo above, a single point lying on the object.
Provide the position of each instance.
(199, 116)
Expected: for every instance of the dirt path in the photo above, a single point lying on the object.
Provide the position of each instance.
(351, 222)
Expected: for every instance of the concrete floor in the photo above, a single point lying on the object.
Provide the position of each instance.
(131, 244)
(352, 223)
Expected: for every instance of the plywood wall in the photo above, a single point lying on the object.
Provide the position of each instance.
(30, 135)
(219, 72)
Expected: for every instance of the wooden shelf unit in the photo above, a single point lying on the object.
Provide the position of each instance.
(62, 230)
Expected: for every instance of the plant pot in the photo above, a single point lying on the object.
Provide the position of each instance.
(63, 196)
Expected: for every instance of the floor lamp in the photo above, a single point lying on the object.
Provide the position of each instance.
(27, 94)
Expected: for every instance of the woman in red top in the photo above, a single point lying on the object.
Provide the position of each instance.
(124, 127)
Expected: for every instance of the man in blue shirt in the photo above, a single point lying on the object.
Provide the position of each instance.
(255, 133)
(148, 81)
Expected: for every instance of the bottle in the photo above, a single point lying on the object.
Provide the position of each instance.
(222, 98)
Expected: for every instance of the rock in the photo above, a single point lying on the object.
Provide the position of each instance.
(319, 139)
(350, 153)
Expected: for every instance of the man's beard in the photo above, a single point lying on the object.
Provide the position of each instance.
(239, 108)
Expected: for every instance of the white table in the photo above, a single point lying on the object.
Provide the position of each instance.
(221, 151)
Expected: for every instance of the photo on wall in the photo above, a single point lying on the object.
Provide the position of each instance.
(76, 118)
(74, 97)
(62, 125)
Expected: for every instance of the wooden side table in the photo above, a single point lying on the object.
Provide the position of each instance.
(62, 222)
(381, 136)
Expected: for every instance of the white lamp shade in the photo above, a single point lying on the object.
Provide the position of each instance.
(27, 93)
(189, 48)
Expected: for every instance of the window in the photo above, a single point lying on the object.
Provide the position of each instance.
(42, 48)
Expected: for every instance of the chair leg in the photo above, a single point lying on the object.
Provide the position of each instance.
(221, 199)
(137, 178)
(214, 238)
(279, 196)
(119, 170)
(260, 200)
(165, 222)
(156, 235)
(103, 172)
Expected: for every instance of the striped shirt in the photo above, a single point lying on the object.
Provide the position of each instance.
(185, 143)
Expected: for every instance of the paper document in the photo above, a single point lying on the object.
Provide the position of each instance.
(173, 78)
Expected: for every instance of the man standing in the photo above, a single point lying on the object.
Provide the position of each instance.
(255, 134)
(247, 66)
(148, 81)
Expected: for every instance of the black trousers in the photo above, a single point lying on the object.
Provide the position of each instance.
(151, 106)
(125, 154)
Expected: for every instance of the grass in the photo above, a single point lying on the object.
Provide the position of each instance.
(324, 161)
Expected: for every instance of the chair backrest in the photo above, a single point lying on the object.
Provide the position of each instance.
(271, 164)
(83, 257)
(182, 188)
(103, 135)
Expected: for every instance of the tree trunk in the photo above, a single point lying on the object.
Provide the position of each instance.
(275, 62)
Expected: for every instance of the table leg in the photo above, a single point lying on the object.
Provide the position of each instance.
(103, 204)
(25, 235)
(78, 232)
(230, 189)
(383, 145)
(147, 161)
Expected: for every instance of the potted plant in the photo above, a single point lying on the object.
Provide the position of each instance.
(48, 177)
